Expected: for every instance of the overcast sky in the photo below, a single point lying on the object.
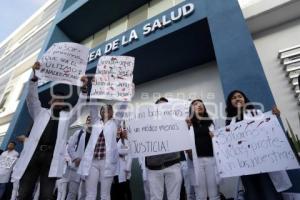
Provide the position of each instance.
(14, 12)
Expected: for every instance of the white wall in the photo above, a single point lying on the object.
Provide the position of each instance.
(268, 43)
(198, 82)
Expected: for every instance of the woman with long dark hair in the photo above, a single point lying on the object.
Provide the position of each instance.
(257, 186)
(204, 156)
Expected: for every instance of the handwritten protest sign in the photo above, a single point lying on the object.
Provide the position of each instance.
(113, 78)
(7, 162)
(64, 62)
(252, 147)
(158, 129)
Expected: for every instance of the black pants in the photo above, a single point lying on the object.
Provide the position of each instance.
(120, 191)
(38, 167)
(260, 187)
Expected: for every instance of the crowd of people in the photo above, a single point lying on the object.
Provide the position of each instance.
(96, 160)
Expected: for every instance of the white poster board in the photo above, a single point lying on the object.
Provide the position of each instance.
(7, 162)
(113, 78)
(252, 147)
(64, 62)
(158, 129)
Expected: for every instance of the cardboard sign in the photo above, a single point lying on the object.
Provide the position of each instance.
(113, 78)
(253, 146)
(64, 62)
(158, 129)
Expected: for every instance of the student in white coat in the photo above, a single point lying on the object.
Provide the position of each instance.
(76, 146)
(203, 157)
(63, 182)
(5, 172)
(164, 172)
(44, 153)
(264, 186)
(100, 160)
(124, 169)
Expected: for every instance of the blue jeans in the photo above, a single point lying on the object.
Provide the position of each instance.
(2, 189)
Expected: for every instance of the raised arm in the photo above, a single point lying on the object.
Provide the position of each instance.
(81, 100)
(32, 99)
(94, 111)
(75, 110)
(121, 108)
(129, 161)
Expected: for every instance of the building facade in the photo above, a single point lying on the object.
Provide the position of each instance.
(18, 52)
(189, 49)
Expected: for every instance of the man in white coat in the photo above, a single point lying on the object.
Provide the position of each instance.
(43, 155)
(164, 172)
(8, 157)
(76, 146)
(100, 159)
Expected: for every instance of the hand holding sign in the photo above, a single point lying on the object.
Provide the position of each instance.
(63, 62)
(36, 66)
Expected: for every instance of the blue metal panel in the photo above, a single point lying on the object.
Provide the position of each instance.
(239, 64)
(93, 15)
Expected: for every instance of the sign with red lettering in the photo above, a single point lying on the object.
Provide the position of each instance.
(253, 146)
(64, 62)
(113, 78)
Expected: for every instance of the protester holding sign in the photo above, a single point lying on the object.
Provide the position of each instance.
(204, 156)
(7, 161)
(164, 171)
(100, 160)
(257, 186)
(43, 154)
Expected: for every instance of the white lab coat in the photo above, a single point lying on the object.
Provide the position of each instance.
(41, 117)
(280, 179)
(125, 160)
(78, 152)
(75, 153)
(4, 172)
(111, 149)
(142, 162)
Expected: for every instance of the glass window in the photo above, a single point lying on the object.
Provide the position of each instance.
(117, 27)
(88, 42)
(3, 101)
(158, 6)
(137, 16)
(100, 37)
